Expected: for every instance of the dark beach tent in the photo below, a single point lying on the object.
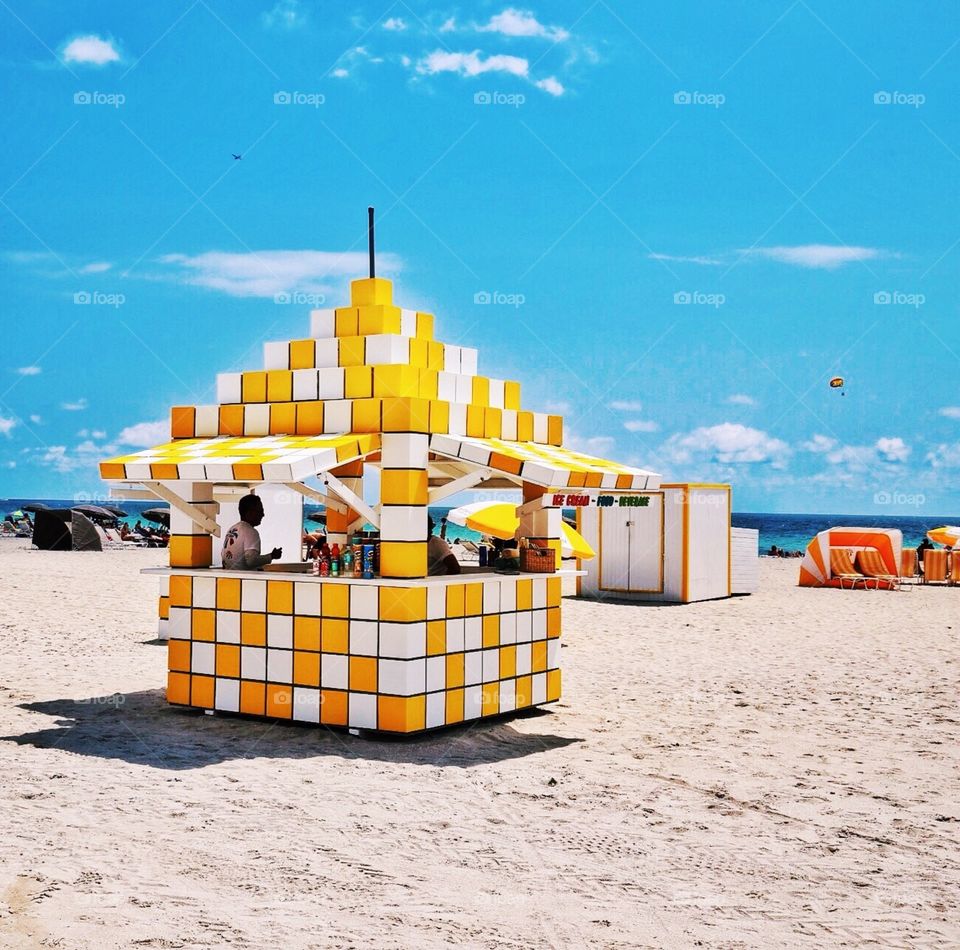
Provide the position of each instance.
(51, 529)
(157, 515)
(85, 537)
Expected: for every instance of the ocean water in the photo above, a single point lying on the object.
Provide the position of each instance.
(793, 532)
(790, 532)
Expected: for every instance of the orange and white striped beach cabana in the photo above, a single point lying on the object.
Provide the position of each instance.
(815, 569)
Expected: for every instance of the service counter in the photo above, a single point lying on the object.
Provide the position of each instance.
(376, 654)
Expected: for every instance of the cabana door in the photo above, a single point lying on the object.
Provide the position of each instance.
(631, 548)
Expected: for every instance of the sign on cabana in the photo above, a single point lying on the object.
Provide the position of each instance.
(620, 500)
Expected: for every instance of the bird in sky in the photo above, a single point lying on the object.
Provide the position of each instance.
(236, 158)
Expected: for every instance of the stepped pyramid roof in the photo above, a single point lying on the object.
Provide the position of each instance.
(367, 371)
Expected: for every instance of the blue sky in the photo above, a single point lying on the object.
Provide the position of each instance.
(690, 218)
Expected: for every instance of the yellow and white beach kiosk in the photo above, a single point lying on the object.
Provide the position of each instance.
(371, 387)
(399, 652)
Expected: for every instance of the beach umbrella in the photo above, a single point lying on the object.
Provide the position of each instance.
(157, 515)
(319, 517)
(948, 535)
(95, 511)
(36, 506)
(16, 514)
(119, 512)
(500, 520)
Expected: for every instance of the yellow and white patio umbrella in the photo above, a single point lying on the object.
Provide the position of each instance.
(948, 535)
(500, 520)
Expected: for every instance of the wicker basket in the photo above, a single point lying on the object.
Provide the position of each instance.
(534, 560)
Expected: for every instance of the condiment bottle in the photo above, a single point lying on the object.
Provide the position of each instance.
(335, 560)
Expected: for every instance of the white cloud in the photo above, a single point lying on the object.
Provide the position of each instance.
(7, 425)
(448, 25)
(625, 405)
(267, 273)
(513, 22)
(143, 434)
(945, 455)
(950, 412)
(77, 406)
(685, 260)
(96, 267)
(471, 64)
(893, 449)
(819, 444)
(551, 85)
(395, 23)
(29, 370)
(340, 73)
(98, 434)
(285, 15)
(90, 50)
(641, 425)
(727, 443)
(825, 256)
(36, 420)
(886, 450)
(741, 399)
(599, 445)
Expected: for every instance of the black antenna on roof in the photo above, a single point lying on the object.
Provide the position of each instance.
(373, 269)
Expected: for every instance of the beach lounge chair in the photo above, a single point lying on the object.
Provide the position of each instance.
(908, 565)
(471, 548)
(954, 577)
(934, 567)
(870, 563)
(841, 568)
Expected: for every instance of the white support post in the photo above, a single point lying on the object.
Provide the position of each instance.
(195, 514)
(458, 484)
(351, 498)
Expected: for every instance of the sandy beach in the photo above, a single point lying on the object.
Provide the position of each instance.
(777, 770)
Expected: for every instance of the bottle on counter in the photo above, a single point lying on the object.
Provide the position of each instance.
(335, 560)
(324, 560)
(357, 550)
(346, 559)
(483, 555)
(368, 561)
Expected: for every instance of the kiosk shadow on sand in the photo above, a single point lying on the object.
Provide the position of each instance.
(140, 728)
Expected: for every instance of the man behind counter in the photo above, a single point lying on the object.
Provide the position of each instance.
(241, 544)
(440, 559)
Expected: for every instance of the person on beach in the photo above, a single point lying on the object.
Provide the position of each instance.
(440, 559)
(925, 545)
(241, 544)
